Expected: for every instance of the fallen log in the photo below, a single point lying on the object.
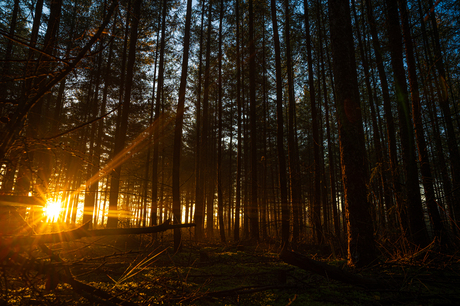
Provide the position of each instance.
(81, 232)
(332, 272)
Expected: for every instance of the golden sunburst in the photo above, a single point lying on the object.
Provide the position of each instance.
(52, 210)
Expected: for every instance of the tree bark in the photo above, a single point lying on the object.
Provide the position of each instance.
(280, 133)
(331, 159)
(199, 196)
(390, 125)
(156, 121)
(178, 130)
(425, 168)
(361, 250)
(452, 142)
(220, 197)
(205, 131)
(417, 228)
(253, 207)
(236, 230)
(120, 141)
(316, 214)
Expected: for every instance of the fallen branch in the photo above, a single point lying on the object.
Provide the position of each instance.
(331, 272)
(82, 231)
(91, 293)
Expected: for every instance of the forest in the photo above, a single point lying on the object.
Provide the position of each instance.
(317, 134)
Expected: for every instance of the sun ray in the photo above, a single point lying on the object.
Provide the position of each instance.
(52, 210)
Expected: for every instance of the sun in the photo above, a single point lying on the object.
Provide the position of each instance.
(52, 210)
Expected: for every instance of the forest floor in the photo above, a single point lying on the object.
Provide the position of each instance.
(130, 269)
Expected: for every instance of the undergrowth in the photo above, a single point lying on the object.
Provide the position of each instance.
(132, 269)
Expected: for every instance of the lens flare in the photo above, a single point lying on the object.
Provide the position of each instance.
(52, 210)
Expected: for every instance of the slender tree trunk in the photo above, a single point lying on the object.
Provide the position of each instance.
(115, 174)
(156, 121)
(253, 207)
(438, 147)
(178, 130)
(59, 99)
(154, 205)
(199, 196)
(220, 197)
(370, 96)
(280, 133)
(112, 221)
(452, 143)
(418, 232)
(236, 229)
(294, 174)
(264, 203)
(205, 131)
(91, 186)
(246, 156)
(22, 185)
(361, 249)
(37, 127)
(331, 160)
(316, 214)
(390, 131)
(230, 214)
(425, 167)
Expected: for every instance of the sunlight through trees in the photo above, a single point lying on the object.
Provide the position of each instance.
(298, 122)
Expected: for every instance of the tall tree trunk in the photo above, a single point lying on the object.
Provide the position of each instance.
(370, 96)
(91, 186)
(178, 130)
(390, 131)
(452, 143)
(37, 127)
(112, 220)
(230, 211)
(438, 147)
(154, 205)
(280, 133)
(264, 197)
(199, 196)
(316, 214)
(220, 197)
(236, 229)
(294, 174)
(115, 174)
(156, 132)
(100, 130)
(331, 160)
(253, 207)
(246, 156)
(425, 167)
(418, 232)
(361, 250)
(22, 185)
(205, 131)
